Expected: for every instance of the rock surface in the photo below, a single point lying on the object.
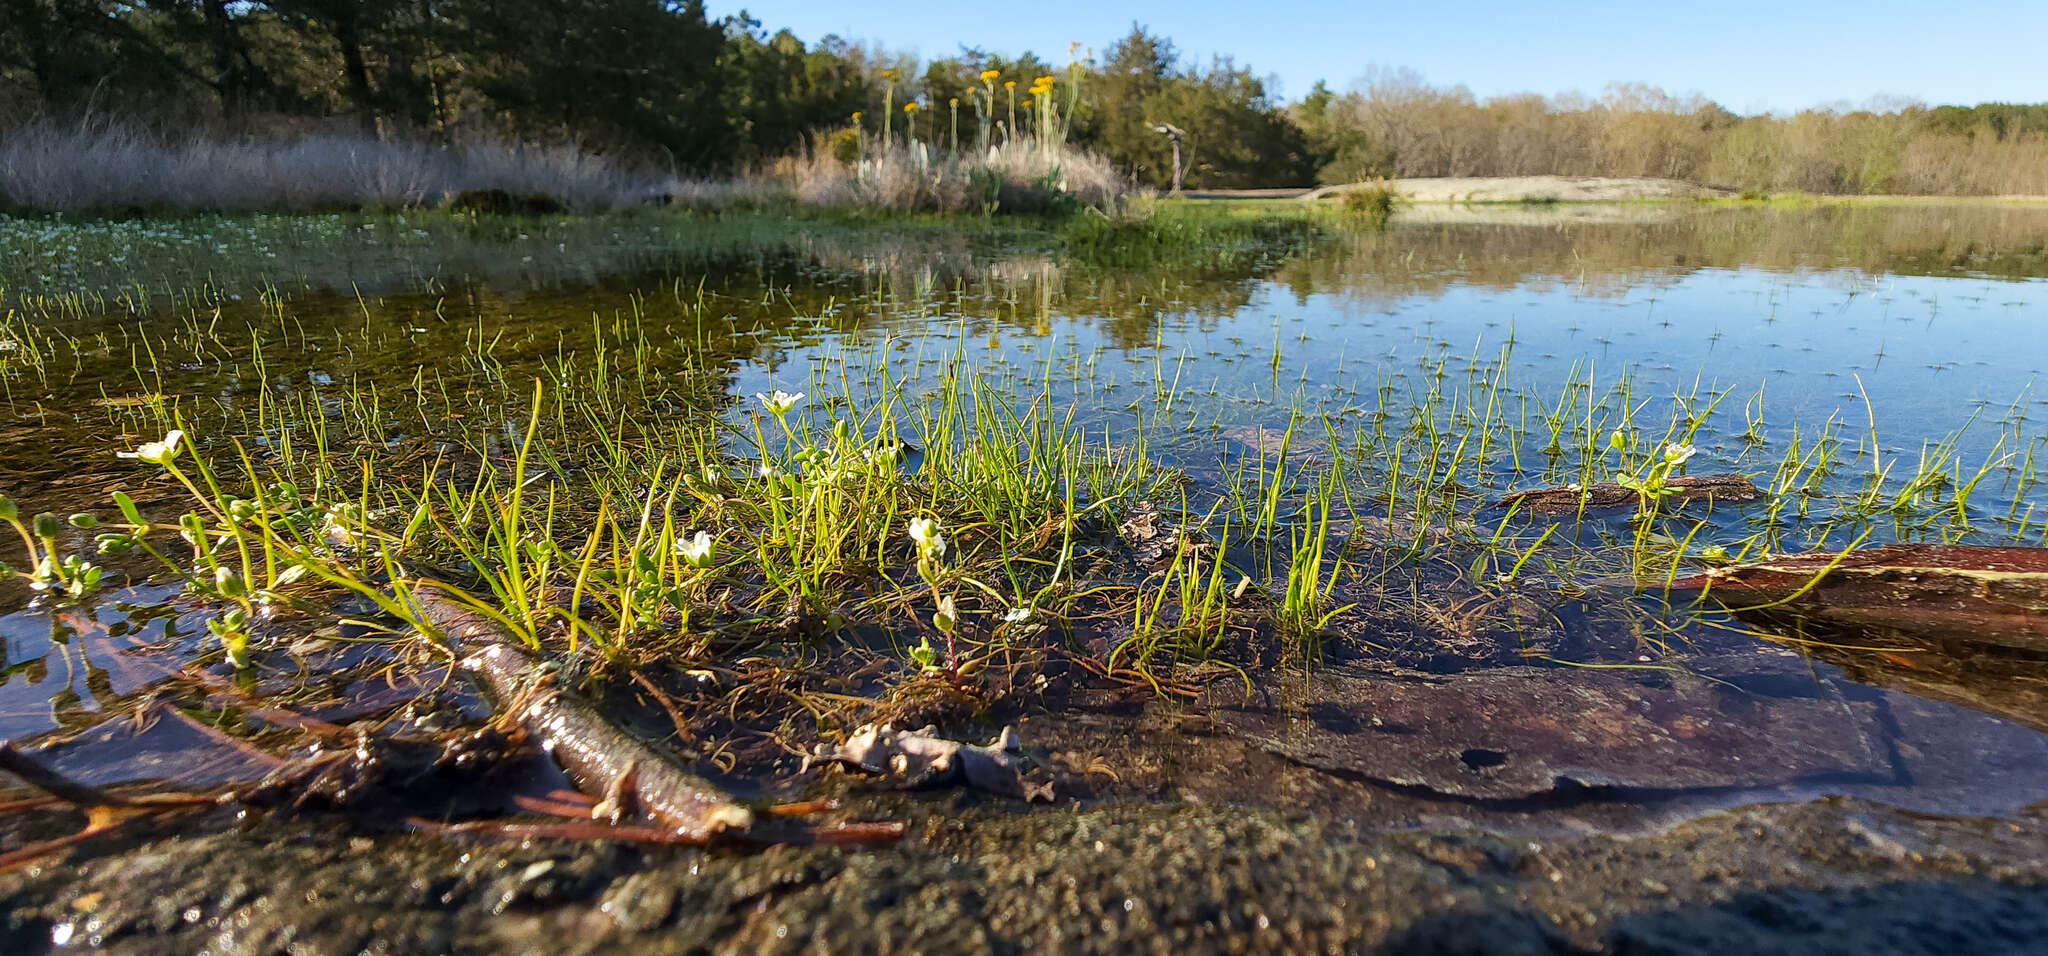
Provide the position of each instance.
(1509, 733)
(1820, 877)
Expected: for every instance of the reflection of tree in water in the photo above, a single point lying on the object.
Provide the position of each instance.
(1031, 292)
(1597, 250)
(1427, 251)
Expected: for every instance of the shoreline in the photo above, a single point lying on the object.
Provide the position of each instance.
(1526, 190)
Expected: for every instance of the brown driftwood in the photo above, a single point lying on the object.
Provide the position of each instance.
(1981, 593)
(596, 754)
(1607, 494)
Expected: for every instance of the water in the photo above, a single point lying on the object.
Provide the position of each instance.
(1908, 335)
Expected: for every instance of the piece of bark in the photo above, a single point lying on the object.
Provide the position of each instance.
(1983, 593)
(601, 758)
(920, 758)
(1608, 494)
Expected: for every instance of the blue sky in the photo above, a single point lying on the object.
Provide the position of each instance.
(1749, 56)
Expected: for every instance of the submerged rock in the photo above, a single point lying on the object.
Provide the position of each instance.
(1519, 732)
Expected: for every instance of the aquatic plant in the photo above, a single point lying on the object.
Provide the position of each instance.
(647, 488)
(51, 571)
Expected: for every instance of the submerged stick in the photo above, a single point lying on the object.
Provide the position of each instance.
(601, 758)
(1608, 494)
(104, 812)
(33, 773)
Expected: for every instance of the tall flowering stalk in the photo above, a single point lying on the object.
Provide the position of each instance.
(1075, 71)
(1011, 87)
(986, 115)
(1047, 116)
(888, 100)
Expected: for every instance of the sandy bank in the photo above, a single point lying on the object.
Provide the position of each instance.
(1524, 189)
(1496, 189)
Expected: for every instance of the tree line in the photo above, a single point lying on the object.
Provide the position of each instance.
(1392, 124)
(663, 81)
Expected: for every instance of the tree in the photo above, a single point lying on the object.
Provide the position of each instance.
(610, 73)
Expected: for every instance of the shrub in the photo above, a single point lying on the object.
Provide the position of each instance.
(1372, 200)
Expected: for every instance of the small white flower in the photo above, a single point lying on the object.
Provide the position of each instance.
(696, 550)
(158, 452)
(931, 545)
(779, 402)
(340, 525)
(1676, 455)
(1016, 615)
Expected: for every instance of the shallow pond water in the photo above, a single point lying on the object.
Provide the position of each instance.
(1834, 354)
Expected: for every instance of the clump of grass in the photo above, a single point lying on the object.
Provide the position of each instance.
(1183, 618)
(1373, 201)
(583, 530)
(1147, 236)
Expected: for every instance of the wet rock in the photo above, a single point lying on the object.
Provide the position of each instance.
(1811, 877)
(154, 746)
(1268, 442)
(2006, 682)
(1511, 733)
(1967, 761)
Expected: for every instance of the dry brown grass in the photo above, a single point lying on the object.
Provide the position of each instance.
(111, 167)
(64, 168)
(1016, 177)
